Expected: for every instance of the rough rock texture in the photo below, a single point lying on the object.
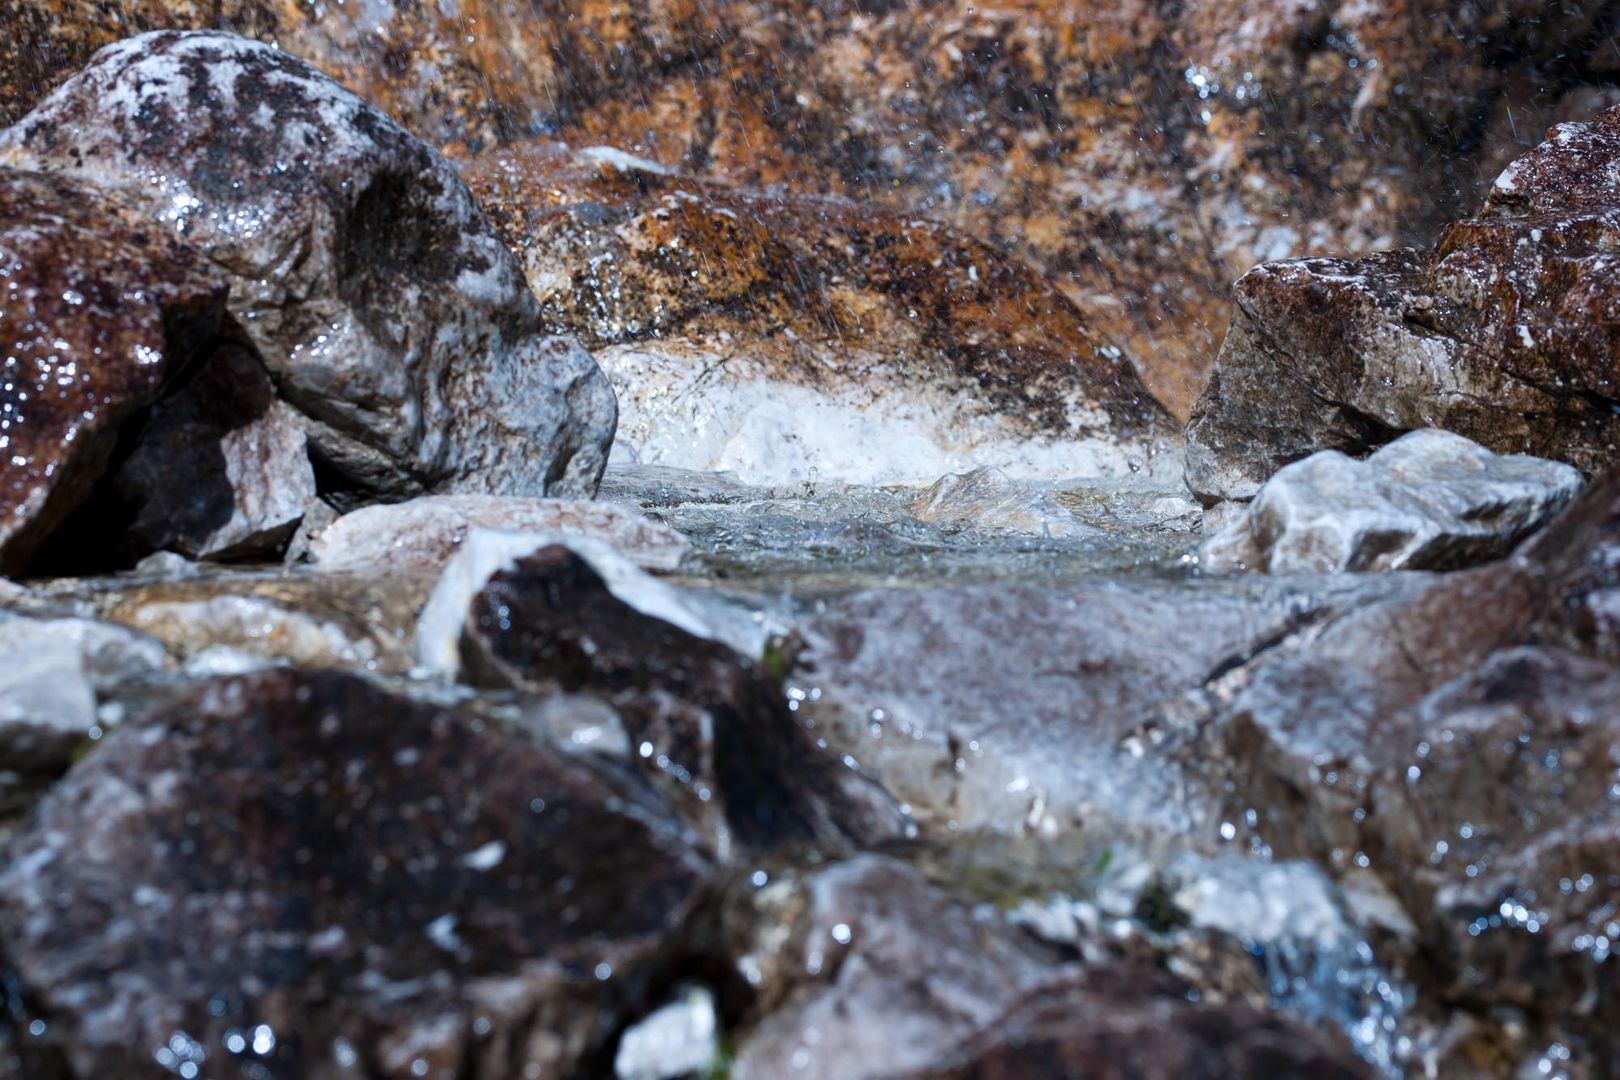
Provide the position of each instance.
(1460, 744)
(713, 722)
(884, 976)
(1007, 706)
(220, 470)
(98, 313)
(1145, 153)
(384, 309)
(1504, 332)
(252, 863)
(423, 534)
(1430, 500)
(783, 338)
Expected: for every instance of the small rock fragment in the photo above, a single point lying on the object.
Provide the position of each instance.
(988, 499)
(678, 1039)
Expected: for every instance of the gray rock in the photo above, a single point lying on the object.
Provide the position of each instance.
(988, 499)
(387, 312)
(424, 533)
(1428, 500)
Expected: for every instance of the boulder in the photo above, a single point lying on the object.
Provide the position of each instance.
(786, 338)
(711, 725)
(301, 874)
(1430, 500)
(1457, 743)
(99, 312)
(423, 534)
(1502, 332)
(385, 310)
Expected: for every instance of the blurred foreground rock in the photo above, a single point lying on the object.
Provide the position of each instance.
(1430, 500)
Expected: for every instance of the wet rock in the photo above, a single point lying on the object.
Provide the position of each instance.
(1501, 332)
(1428, 500)
(386, 312)
(711, 723)
(678, 1039)
(1459, 744)
(987, 499)
(98, 313)
(220, 470)
(914, 983)
(784, 338)
(423, 534)
(1011, 707)
(301, 874)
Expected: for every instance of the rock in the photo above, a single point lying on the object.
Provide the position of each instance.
(1459, 744)
(678, 1039)
(297, 873)
(987, 499)
(220, 470)
(1430, 500)
(486, 552)
(1013, 706)
(837, 328)
(712, 723)
(98, 314)
(916, 984)
(1501, 332)
(52, 672)
(387, 313)
(1143, 154)
(423, 534)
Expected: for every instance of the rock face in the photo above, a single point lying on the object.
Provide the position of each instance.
(423, 534)
(250, 861)
(1143, 153)
(789, 338)
(1006, 707)
(712, 721)
(86, 342)
(384, 309)
(1460, 744)
(1502, 332)
(1428, 500)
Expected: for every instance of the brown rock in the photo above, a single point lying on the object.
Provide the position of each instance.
(98, 313)
(383, 307)
(711, 721)
(1503, 332)
(1144, 154)
(869, 325)
(301, 874)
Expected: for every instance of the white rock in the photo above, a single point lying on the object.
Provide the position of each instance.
(486, 552)
(679, 1039)
(988, 499)
(424, 533)
(1429, 500)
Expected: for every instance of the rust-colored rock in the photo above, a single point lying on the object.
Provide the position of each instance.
(98, 312)
(1145, 153)
(1505, 332)
(295, 873)
(914, 348)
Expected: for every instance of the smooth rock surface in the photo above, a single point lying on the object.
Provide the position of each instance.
(1430, 500)
(249, 862)
(1503, 332)
(987, 499)
(789, 339)
(98, 313)
(423, 534)
(385, 310)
